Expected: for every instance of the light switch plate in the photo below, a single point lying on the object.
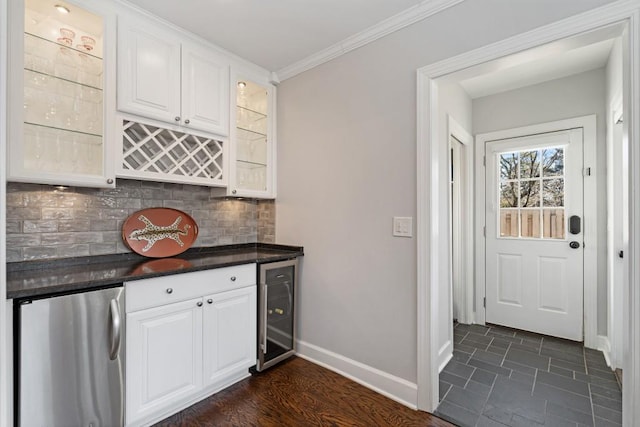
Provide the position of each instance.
(402, 226)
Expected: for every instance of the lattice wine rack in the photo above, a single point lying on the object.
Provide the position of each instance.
(153, 152)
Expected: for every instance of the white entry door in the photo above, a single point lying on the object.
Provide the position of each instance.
(534, 233)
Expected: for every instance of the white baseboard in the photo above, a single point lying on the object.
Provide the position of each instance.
(395, 388)
(605, 347)
(445, 354)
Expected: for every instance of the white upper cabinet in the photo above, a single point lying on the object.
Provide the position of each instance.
(148, 70)
(205, 90)
(164, 76)
(61, 93)
(252, 170)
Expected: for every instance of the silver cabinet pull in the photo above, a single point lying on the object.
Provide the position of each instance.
(177, 119)
(186, 122)
(114, 310)
(233, 278)
(169, 290)
(210, 301)
(199, 303)
(234, 192)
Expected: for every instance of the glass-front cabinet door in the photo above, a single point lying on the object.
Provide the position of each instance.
(60, 78)
(252, 169)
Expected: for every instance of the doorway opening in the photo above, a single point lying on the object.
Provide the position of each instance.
(590, 30)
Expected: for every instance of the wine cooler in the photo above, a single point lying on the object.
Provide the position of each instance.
(276, 312)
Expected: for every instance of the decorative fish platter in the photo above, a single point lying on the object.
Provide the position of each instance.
(159, 232)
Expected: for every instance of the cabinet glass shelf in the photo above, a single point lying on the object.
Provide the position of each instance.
(63, 129)
(250, 163)
(61, 61)
(62, 78)
(61, 150)
(250, 114)
(82, 51)
(251, 135)
(58, 103)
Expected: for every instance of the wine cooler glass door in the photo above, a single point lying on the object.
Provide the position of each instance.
(276, 333)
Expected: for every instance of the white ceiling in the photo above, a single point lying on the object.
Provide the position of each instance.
(275, 34)
(577, 54)
(552, 66)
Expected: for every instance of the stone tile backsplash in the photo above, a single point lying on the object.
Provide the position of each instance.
(43, 222)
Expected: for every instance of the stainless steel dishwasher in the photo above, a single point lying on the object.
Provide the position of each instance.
(70, 360)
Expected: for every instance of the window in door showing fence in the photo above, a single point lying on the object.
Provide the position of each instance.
(531, 194)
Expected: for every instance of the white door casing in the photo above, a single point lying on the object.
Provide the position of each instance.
(534, 279)
(617, 229)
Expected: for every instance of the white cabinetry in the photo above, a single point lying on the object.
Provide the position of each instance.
(62, 93)
(163, 76)
(252, 171)
(188, 336)
(229, 317)
(164, 363)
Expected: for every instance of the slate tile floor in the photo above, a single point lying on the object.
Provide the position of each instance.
(505, 377)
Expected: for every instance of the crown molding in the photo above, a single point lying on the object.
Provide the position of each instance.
(403, 19)
(572, 26)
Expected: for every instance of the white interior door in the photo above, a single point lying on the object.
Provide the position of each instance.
(534, 259)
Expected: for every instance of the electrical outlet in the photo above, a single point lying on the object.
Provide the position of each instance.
(402, 226)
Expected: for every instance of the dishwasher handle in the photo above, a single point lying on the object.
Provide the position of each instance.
(115, 331)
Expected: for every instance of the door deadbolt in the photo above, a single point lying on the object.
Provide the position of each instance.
(574, 245)
(574, 224)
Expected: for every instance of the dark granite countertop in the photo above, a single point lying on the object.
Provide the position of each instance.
(31, 279)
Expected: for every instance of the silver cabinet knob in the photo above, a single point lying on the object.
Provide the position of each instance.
(233, 192)
(186, 122)
(209, 301)
(199, 304)
(110, 181)
(169, 290)
(177, 119)
(233, 278)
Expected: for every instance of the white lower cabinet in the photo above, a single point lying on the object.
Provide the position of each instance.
(229, 318)
(187, 337)
(164, 357)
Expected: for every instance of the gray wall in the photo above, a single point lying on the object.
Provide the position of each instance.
(347, 165)
(572, 96)
(46, 223)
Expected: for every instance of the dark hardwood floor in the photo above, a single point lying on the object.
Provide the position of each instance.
(299, 393)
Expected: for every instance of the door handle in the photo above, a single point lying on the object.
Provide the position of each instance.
(574, 245)
(574, 224)
(265, 319)
(116, 329)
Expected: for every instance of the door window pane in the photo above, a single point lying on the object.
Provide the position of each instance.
(553, 223)
(552, 162)
(529, 194)
(530, 223)
(529, 164)
(553, 192)
(509, 223)
(508, 166)
(509, 195)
